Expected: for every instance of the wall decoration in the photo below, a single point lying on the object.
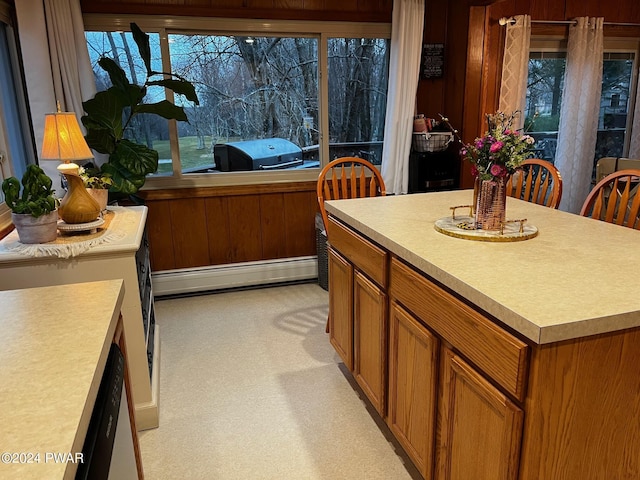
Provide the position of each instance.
(432, 60)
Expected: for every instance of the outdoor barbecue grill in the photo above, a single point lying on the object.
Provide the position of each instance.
(261, 154)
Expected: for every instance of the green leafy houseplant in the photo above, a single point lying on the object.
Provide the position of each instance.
(110, 112)
(37, 198)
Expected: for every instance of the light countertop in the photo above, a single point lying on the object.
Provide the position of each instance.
(578, 277)
(55, 343)
(128, 222)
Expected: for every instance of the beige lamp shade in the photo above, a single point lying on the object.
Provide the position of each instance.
(63, 141)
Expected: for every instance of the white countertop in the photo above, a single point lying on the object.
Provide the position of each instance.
(128, 221)
(55, 343)
(578, 277)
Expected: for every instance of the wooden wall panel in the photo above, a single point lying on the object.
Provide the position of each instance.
(299, 211)
(273, 225)
(632, 12)
(160, 236)
(474, 84)
(431, 98)
(260, 4)
(495, 35)
(626, 11)
(196, 3)
(189, 231)
(314, 4)
(239, 223)
(340, 10)
(244, 228)
(456, 63)
(545, 10)
(218, 231)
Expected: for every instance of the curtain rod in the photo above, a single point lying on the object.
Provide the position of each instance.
(510, 20)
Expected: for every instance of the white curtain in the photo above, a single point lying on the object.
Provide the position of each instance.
(404, 70)
(579, 112)
(515, 68)
(57, 65)
(634, 146)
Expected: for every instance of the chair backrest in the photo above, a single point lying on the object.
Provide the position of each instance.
(538, 181)
(348, 177)
(615, 199)
(607, 165)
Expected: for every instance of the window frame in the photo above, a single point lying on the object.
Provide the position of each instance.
(8, 167)
(165, 25)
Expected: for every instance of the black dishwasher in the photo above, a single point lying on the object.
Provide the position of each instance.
(99, 442)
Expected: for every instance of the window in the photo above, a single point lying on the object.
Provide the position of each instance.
(250, 88)
(16, 144)
(277, 99)
(358, 73)
(547, 62)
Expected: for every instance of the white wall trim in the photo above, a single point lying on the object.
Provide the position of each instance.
(217, 277)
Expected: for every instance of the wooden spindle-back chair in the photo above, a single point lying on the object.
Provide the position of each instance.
(538, 181)
(615, 199)
(348, 177)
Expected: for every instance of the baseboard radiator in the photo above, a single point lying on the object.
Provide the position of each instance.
(235, 275)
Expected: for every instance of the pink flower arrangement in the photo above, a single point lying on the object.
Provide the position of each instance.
(501, 150)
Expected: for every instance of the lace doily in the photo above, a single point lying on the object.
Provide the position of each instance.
(72, 245)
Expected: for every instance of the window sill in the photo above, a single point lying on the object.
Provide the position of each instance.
(229, 179)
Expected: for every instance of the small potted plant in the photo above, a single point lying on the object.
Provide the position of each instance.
(34, 213)
(97, 184)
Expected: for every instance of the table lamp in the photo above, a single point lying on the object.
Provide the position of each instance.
(63, 141)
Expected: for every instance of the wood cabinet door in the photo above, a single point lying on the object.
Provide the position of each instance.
(341, 307)
(413, 369)
(479, 430)
(370, 340)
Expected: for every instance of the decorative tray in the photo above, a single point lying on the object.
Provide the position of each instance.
(80, 227)
(464, 227)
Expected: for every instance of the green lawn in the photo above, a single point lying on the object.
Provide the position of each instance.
(190, 156)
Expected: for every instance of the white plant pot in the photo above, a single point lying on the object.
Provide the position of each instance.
(32, 229)
(100, 195)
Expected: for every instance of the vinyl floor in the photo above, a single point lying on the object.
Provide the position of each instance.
(250, 388)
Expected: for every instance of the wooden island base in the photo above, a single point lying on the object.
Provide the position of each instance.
(465, 392)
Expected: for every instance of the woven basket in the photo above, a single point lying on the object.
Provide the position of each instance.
(432, 141)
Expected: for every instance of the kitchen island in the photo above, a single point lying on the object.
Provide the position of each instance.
(491, 360)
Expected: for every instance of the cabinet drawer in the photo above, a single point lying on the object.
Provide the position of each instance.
(499, 354)
(367, 257)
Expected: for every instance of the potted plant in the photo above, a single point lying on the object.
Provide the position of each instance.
(111, 111)
(97, 184)
(34, 213)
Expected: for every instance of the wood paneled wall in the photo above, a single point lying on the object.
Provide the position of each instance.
(347, 10)
(213, 226)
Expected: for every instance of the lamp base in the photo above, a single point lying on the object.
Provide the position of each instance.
(77, 206)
